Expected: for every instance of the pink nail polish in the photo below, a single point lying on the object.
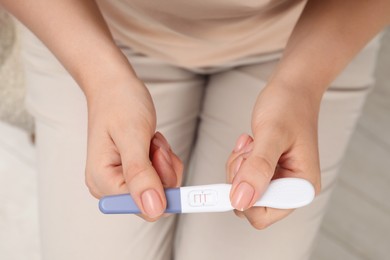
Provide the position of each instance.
(152, 203)
(241, 142)
(242, 196)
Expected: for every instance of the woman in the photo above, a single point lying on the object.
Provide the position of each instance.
(221, 62)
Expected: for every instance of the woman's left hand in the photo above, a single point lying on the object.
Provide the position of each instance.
(284, 125)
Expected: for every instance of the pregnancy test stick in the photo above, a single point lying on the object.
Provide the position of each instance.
(284, 193)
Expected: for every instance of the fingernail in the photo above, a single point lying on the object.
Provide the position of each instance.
(152, 203)
(241, 142)
(242, 196)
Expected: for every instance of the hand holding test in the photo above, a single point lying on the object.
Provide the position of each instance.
(284, 193)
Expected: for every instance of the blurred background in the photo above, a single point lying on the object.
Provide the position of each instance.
(357, 223)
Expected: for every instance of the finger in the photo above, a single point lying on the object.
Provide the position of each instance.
(241, 142)
(141, 178)
(168, 166)
(256, 171)
(177, 164)
(235, 159)
(239, 158)
(163, 165)
(263, 217)
(178, 167)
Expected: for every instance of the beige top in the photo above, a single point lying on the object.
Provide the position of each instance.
(202, 33)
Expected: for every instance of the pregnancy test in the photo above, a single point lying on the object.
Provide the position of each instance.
(284, 193)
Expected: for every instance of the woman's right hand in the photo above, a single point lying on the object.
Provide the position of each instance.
(125, 155)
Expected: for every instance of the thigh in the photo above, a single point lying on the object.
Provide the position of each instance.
(71, 225)
(226, 113)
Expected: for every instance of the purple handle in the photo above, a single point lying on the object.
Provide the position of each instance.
(124, 203)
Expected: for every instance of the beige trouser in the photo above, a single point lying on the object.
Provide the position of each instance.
(71, 226)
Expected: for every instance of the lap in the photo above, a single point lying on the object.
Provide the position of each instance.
(72, 227)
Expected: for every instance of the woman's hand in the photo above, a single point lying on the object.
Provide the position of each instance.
(284, 124)
(124, 152)
(121, 155)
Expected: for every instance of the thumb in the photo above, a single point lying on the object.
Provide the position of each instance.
(255, 173)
